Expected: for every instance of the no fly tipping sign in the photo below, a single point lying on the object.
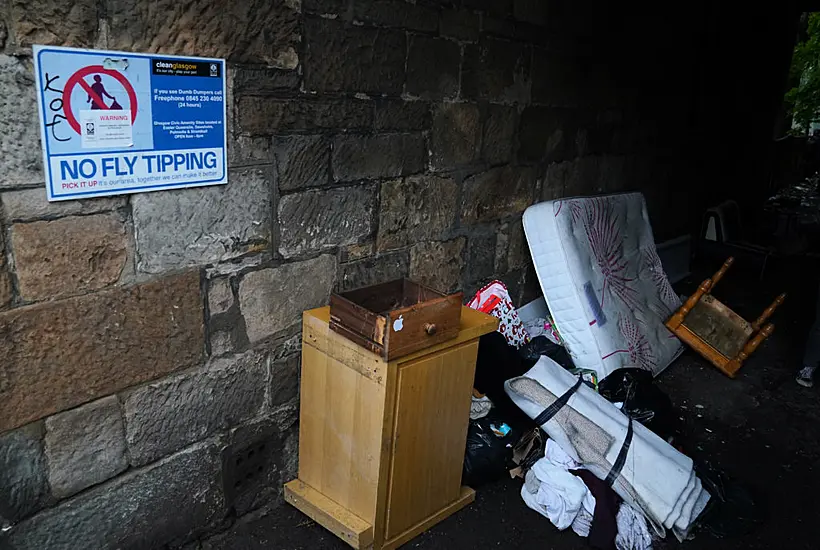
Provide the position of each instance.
(114, 122)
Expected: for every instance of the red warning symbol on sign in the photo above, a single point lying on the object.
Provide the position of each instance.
(98, 96)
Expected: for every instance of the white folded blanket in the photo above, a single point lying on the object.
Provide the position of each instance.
(655, 478)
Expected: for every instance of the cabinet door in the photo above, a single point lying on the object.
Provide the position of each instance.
(429, 435)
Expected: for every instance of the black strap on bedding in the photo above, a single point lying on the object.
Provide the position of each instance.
(557, 405)
(619, 462)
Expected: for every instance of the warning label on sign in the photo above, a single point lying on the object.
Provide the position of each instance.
(106, 129)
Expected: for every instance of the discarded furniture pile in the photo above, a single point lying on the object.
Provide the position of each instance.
(406, 395)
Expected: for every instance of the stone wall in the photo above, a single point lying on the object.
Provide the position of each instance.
(369, 139)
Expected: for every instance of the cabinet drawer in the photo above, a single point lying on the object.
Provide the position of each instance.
(396, 318)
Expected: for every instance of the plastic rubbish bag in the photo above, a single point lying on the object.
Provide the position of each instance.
(541, 345)
(732, 511)
(642, 400)
(488, 454)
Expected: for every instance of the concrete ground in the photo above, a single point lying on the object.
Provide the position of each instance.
(760, 428)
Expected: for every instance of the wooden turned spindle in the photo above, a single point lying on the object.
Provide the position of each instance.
(733, 365)
(722, 271)
(768, 312)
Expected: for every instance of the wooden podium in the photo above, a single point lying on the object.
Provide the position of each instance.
(381, 443)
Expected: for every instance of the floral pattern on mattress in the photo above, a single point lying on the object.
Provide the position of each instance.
(610, 249)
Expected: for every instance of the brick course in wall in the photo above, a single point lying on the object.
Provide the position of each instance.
(368, 140)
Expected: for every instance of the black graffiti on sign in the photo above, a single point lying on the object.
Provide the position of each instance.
(55, 107)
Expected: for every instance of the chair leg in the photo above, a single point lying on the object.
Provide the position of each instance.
(677, 318)
(732, 366)
(722, 271)
(768, 312)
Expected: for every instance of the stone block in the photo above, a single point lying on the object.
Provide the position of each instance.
(357, 252)
(325, 219)
(584, 177)
(557, 174)
(322, 7)
(432, 67)
(417, 208)
(546, 134)
(500, 8)
(85, 446)
(55, 23)
(456, 137)
(23, 477)
(460, 24)
(302, 161)
(558, 80)
(497, 193)
(165, 416)
(226, 327)
(499, 134)
(287, 347)
(249, 150)
(220, 296)
(496, 70)
(58, 355)
(204, 225)
(397, 114)
(379, 156)
(613, 173)
(27, 205)
(498, 27)
(253, 31)
(22, 158)
(371, 271)
(353, 59)
(265, 116)
(511, 251)
(221, 342)
(532, 11)
(284, 380)
(166, 504)
(68, 256)
(396, 13)
(481, 251)
(276, 430)
(273, 299)
(264, 80)
(439, 265)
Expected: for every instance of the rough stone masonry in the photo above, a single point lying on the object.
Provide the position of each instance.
(142, 335)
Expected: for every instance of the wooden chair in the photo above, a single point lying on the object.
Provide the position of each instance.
(715, 331)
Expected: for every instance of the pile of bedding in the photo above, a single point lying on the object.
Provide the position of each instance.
(649, 474)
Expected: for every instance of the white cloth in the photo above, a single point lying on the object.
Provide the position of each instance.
(583, 523)
(633, 533)
(556, 494)
(655, 478)
(480, 407)
(555, 454)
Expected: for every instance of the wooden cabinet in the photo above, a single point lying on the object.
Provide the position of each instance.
(381, 444)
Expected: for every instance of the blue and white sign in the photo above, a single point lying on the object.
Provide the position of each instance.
(114, 123)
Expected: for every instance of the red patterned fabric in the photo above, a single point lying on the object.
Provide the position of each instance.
(494, 299)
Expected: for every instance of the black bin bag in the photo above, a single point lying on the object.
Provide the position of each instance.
(487, 457)
(642, 400)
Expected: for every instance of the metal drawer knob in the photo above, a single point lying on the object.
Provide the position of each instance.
(430, 329)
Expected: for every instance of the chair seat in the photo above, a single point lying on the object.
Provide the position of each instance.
(718, 326)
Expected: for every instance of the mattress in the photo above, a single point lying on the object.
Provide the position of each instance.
(603, 281)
